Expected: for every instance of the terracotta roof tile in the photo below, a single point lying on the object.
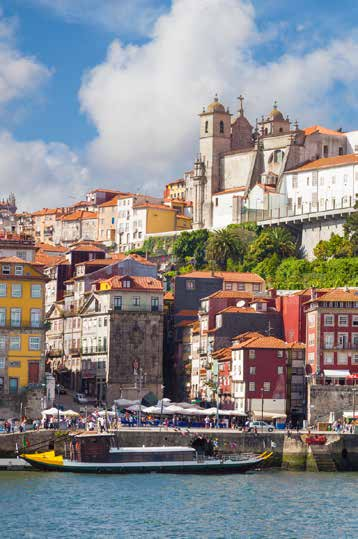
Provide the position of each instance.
(51, 248)
(187, 312)
(322, 130)
(79, 215)
(153, 206)
(233, 309)
(337, 295)
(231, 294)
(138, 283)
(231, 190)
(48, 260)
(85, 247)
(327, 162)
(169, 296)
(227, 276)
(112, 202)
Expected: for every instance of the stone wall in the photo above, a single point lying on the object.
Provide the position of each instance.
(321, 400)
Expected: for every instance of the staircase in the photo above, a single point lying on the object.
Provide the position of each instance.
(323, 458)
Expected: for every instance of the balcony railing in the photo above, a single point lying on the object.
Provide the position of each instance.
(340, 346)
(76, 351)
(55, 352)
(94, 350)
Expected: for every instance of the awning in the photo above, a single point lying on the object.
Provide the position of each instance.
(350, 415)
(336, 373)
(268, 415)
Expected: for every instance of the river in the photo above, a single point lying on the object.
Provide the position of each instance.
(261, 505)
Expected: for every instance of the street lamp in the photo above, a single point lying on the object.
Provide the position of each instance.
(58, 405)
(262, 409)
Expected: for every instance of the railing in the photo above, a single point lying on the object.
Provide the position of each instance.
(94, 350)
(75, 351)
(24, 325)
(344, 346)
(55, 353)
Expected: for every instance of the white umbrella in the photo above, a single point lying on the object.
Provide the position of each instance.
(174, 409)
(106, 412)
(51, 411)
(134, 408)
(123, 403)
(152, 409)
(70, 413)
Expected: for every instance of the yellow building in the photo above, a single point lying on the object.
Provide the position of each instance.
(22, 334)
(175, 189)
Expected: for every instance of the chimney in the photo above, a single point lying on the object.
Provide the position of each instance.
(313, 292)
(272, 292)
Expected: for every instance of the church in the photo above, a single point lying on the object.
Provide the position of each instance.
(242, 169)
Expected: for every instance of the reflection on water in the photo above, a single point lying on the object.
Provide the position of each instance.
(260, 505)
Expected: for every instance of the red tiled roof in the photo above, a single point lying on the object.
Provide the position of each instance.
(233, 309)
(267, 188)
(47, 211)
(327, 162)
(231, 294)
(112, 202)
(14, 260)
(153, 206)
(169, 296)
(322, 130)
(231, 190)
(231, 276)
(262, 341)
(133, 256)
(79, 215)
(49, 260)
(97, 262)
(90, 247)
(337, 295)
(51, 248)
(187, 312)
(138, 283)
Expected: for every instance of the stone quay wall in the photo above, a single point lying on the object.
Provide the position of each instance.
(289, 450)
(321, 400)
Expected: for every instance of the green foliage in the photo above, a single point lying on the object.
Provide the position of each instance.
(292, 274)
(140, 252)
(191, 245)
(268, 267)
(277, 240)
(336, 247)
(351, 230)
(230, 243)
(335, 272)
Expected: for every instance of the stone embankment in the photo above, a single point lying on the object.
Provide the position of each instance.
(290, 451)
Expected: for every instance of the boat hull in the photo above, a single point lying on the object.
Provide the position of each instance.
(187, 467)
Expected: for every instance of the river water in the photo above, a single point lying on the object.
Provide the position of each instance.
(262, 505)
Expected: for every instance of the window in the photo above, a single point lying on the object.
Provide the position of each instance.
(3, 290)
(136, 301)
(13, 385)
(325, 151)
(340, 150)
(206, 127)
(15, 343)
(2, 343)
(19, 270)
(15, 318)
(252, 370)
(328, 358)
(105, 322)
(311, 320)
(190, 284)
(221, 127)
(2, 363)
(267, 386)
(342, 358)
(289, 203)
(155, 303)
(6, 269)
(299, 202)
(35, 290)
(36, 318)
(279, 353)
(1, 383)
(252, 386)
(126, 284)
(34, 343)
(2, 316)
(308, 180)
(343, 320)
(311, 357)
(16, 290)
(333, 180)
(241, 286)
(228, 286)
(355, 359)
(311, 339)
(314, 199)
(280, 370)
(345, 179)
(314, 179)
(294, 181)
(328, 340)
(216, 201)
(252, 354)
(329, 319)
(256, 287)
(21, 254)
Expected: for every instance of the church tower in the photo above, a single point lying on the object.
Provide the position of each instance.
(241, 131)
(215, 138)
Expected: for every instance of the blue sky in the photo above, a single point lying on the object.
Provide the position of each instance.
(110, 89)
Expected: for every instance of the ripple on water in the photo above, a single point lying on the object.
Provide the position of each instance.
(254, 506)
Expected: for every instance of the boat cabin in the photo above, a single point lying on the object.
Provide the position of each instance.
(103, 448)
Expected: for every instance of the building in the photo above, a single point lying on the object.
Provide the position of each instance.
(107, 221)
(332, 336)
(263, 383)
(175, 190)
(22, 333)
(8, 215)
(81, 225)
(18, 246)
(122, 338)
(44, 223)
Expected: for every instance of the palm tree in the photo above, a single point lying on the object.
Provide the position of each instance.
(222, 245)
(283, 242)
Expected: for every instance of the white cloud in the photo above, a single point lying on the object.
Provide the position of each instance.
(144, 100)
(41, 175)
(127, 16)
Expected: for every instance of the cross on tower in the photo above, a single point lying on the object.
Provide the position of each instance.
(241, 98)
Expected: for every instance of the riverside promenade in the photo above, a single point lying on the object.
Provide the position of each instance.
(290, 451)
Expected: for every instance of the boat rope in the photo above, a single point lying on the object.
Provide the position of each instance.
(44, 443)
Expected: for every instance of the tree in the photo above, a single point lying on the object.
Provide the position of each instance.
(268, 267)
(351, 230)
(336, 247)
(191, 245)
(293, 274)
(226, 244)
(277, 240)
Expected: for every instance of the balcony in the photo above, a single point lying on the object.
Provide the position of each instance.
(94, 350)
(340, 346)
(76, 351)
(55, 353)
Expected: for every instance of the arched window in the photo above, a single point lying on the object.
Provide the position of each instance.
(221, 126)
(206, 126)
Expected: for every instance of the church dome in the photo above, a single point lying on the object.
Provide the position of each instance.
(276, 114)
(216, 106)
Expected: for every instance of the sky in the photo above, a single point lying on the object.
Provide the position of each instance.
(107, 92)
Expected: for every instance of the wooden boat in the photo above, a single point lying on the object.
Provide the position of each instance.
(98, 453)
